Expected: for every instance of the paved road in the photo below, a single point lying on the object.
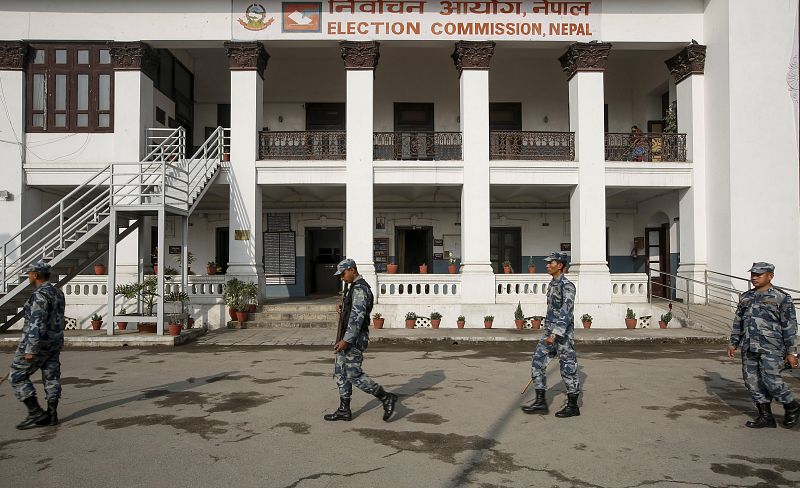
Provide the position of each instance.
(652, 416)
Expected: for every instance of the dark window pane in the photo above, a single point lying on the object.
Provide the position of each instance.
(61, 56)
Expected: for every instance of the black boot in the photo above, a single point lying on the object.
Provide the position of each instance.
(538, 406)
(388, 400)
(764, 419)
(342, 413)
(35, 414)
(571, 408)
(52, 414)
(791, 413)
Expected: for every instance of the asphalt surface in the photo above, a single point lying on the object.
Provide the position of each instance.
(651, 416)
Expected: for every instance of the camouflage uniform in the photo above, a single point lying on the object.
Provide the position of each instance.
(354, 329)
(559, 321)
(43, 337)
(765, 329)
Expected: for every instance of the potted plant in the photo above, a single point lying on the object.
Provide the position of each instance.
(170, 271)
(531, 265)
(145, 293)
(174, 324)
(487, 321)
(664, 322)
(586, 320)
(211, 268)
(507, 267)
(231, 296)
(423, 268)
(241, 312)
(411, 320)
(519, 317)
(536, 322)
(377, 320)
(99, 269)
(461, 321)
(249, 295)
(391, 268)
(452, 268)
(97, 322)
(189, 260)
(122, 325)
(630, 319)
(436, 319)
(177, 297)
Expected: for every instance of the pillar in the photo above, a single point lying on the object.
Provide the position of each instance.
(687, 68)
(247, 62)
(360, 61)
(584, 64)
(477, 277)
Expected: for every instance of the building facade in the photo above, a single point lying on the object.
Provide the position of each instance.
(649, 140)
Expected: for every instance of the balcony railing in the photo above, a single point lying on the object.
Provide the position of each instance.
(645, 146)
(308, 145)
(539, 146)
(437, 146)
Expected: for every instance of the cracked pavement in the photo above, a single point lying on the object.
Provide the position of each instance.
(651, 416)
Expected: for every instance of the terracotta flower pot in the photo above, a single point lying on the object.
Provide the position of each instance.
(232, 313)
(587, 324)
(391, 268)
(252, 308)
(452, 269)
(241, 316)
(97, 324)
(226, 156)
(378, 323)
(507, 269)
(174, 329)
(460, 324)
(435, 323)
(410, 323)
(423, 269)
(520, 324)
(536, 324)
(487, 324)
(662, 324)
(630, 323)
(122, 325)
(155, 269)
(99, 269)
(531, 269)
(211, 270)
(147, 327)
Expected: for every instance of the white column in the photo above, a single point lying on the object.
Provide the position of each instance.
(477, 280)
(134, 109)
(687, 68)
(585, 64)
(12, 131)
(360, 59)
(247, 61)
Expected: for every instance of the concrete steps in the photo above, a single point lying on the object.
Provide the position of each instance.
(714, 318)
(312, 314)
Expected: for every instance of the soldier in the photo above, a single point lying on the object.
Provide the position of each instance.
(557, 340)
(39, 348)
(352, 339)
(765, 328)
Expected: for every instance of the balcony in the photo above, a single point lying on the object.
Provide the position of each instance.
(532, 146)
(302, 145)
(645, 146)
(417, 146)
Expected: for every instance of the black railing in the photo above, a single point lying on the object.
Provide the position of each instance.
(645, 146)
(323, 145)
(438, 146)
(525, 145)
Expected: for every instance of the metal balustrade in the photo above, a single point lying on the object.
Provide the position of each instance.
(527, 145)
(437, 146)
(303, 145)
(645, 146)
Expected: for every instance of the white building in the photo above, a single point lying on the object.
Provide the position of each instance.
(406, 132)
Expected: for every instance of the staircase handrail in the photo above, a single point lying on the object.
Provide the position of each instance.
(211, 150)
(749, 283)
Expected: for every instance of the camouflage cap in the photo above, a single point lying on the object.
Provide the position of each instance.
(557, 256)
(344, 265)
(762, 267)
(38, 267)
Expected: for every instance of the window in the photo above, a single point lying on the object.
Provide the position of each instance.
(325, 116)
(505, 116)
(70, 88)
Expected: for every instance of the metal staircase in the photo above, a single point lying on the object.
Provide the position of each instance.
(76, 231)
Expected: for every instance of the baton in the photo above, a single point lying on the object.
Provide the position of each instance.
(526, 387)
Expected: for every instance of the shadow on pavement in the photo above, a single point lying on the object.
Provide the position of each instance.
(412, 387)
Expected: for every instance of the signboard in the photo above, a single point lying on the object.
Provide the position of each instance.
(523, 20)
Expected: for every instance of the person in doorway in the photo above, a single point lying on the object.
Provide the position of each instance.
(557, 340)
(40, 348)
(765, 329)
(352, 339)
(638, 144)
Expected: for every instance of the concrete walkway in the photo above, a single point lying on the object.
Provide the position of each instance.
(325, 337)
(98, 338)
